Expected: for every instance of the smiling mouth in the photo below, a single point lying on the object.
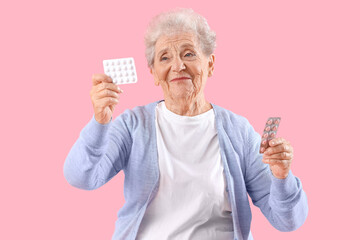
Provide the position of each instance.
(182, 78)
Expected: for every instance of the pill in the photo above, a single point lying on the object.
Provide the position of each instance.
(122, 70)
(269, 133)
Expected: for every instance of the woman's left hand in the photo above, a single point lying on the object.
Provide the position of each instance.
(279, 156)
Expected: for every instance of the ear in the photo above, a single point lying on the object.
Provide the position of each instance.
(156, 80)
(211, 65)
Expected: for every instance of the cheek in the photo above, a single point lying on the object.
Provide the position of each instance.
(196, 70)
(200, 72)
(163, 72)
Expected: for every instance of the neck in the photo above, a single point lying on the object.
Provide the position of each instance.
(188, 106)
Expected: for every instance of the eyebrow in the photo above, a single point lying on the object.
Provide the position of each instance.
(185, 45)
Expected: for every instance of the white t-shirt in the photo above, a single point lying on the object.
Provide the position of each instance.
(191, 202)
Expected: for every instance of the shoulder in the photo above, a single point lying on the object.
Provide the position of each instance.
(138, 115)
(229, 118)
(234, 125)
(142, 111)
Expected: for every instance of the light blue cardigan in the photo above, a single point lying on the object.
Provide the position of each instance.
(129, 143)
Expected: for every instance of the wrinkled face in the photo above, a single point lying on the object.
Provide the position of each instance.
(180, 66)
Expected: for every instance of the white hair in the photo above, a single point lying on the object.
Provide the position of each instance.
(180, 20)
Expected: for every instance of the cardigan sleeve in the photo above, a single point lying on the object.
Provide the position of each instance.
(100, 152)
(282, 201)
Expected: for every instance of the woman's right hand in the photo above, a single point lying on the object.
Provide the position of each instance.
(104, 97)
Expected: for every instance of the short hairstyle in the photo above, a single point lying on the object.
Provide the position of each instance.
(180, 20)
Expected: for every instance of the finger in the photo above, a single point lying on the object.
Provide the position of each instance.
(278, 162)
(276, 141)
(106, 93)
(283, 163)
(281, 156)
(104, 102)
(99, 78)
(109, 86)
(278, 149)
(287, 145)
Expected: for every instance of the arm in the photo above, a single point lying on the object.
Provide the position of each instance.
(99, 153)
(282, 201)
(103, 147)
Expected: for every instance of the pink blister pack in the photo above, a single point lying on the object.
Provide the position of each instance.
(270, 130)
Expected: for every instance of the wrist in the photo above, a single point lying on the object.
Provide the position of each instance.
(280, 176)
(102, 121)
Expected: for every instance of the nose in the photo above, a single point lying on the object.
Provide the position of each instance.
(178, 64)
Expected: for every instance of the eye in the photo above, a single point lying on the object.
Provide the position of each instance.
(189, 54)
(163, 58)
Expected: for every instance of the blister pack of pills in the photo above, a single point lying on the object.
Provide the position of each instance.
(271, 127)
(121, 70)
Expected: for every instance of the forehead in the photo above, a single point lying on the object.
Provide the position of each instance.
(178, 41)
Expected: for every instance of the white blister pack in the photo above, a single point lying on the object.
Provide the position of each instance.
(121, 70)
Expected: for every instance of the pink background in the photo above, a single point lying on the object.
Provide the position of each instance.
(298, 60)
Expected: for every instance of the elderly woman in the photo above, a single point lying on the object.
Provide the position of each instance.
(189, 164)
